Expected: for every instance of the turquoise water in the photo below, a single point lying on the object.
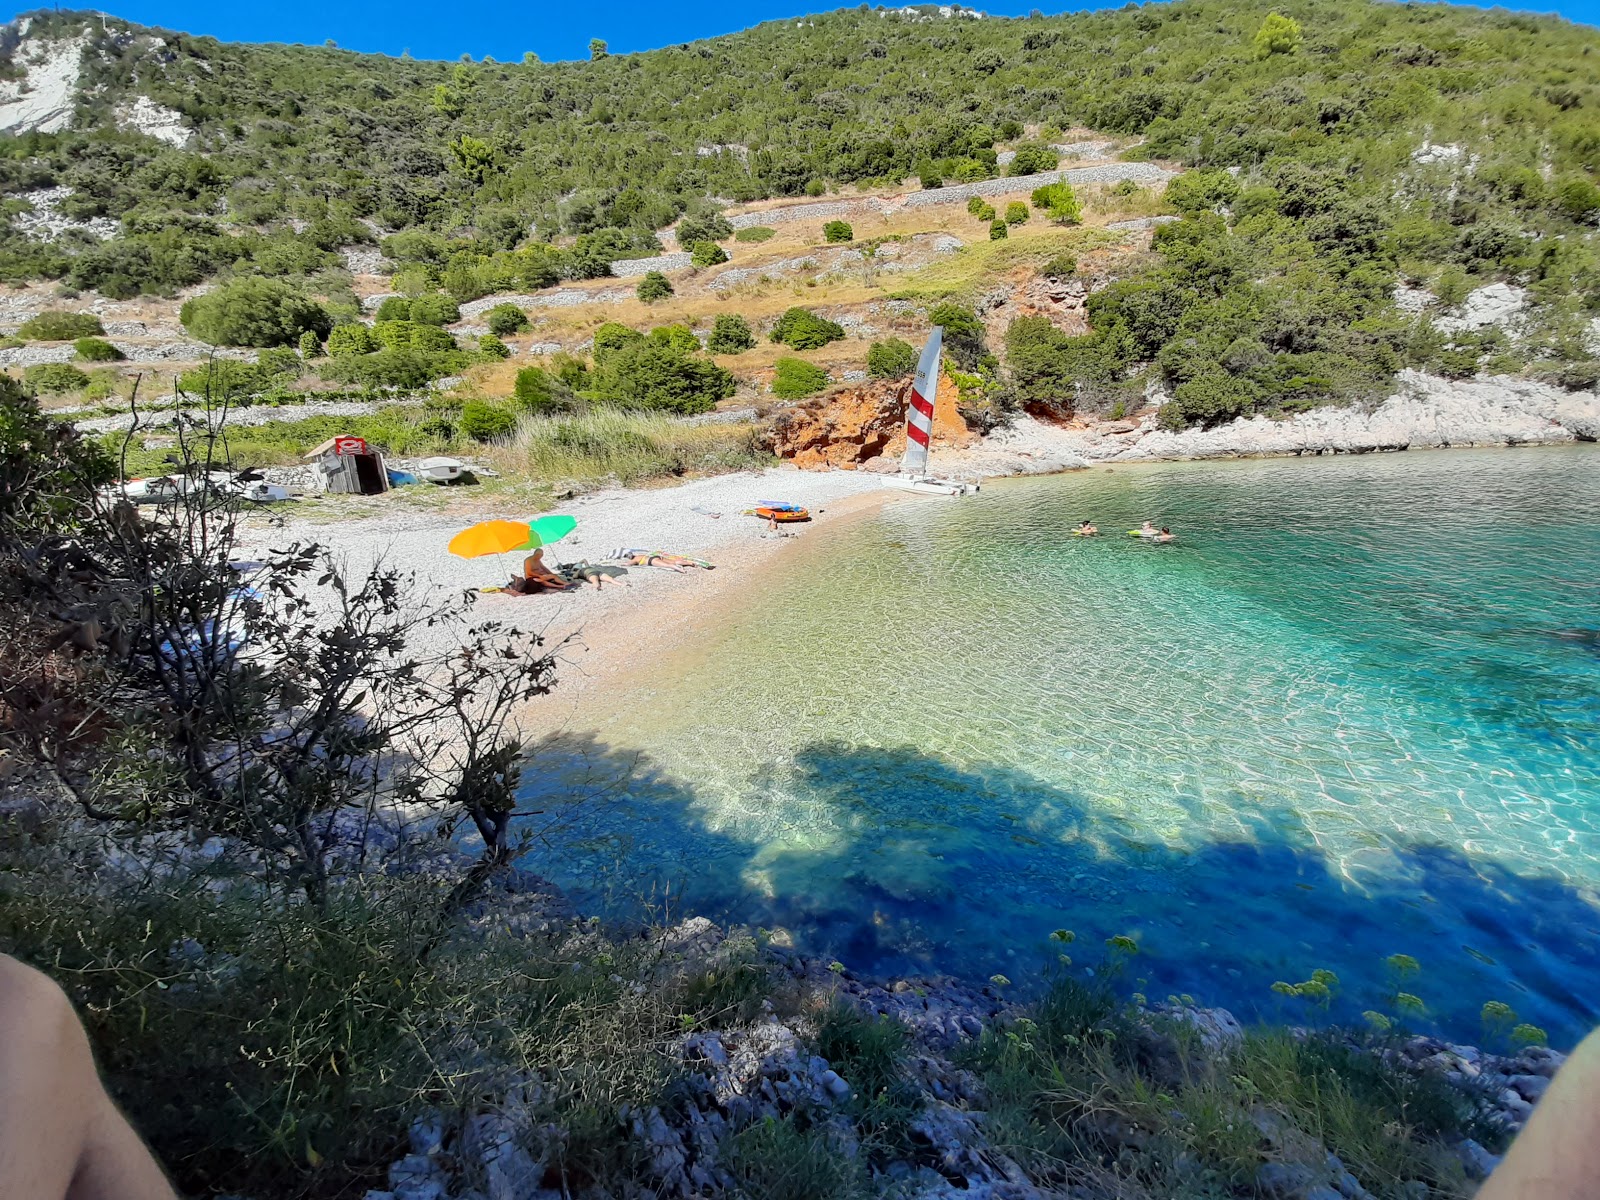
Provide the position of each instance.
(1354, 712)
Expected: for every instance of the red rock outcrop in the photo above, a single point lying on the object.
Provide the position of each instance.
(853, 425)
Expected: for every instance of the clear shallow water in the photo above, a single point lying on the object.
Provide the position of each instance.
(1354, 712)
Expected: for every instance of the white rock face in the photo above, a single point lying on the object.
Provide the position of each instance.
(1426, 412)
(44, 99)
(1499, 304)
(1430, 153)
(1412, 300)
(47, 222)
(145, 116)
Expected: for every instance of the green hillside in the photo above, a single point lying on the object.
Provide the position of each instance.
(1274, 293)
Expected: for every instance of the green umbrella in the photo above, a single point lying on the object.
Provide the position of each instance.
(551, 528)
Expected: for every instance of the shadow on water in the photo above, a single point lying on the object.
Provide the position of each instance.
(894, 860)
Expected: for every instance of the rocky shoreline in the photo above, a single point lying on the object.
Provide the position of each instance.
(767, 1069)
(860, 428)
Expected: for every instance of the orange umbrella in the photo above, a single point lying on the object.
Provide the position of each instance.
(493, 537)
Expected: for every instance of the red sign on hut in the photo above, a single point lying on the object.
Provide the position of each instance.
(347, 444)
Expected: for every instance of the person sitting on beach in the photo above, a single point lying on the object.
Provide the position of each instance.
(1087, 529)
(1166, 535)
(536, 577)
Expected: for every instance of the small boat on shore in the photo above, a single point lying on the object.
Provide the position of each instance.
(913, 476)
(781, 513)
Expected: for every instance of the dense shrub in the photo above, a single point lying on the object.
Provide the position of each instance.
(1062, 266)
(1033, 159)
(1202, 191)
(653, 287)
(60, 327)
(976, 204)
(755, 233)
(675, 337)
(493, 347)
(408, 335)
(704, 227)
(434, 309)
(394, 308)
(484, 422)
(1016, 213)
(796, 379)
(55, 378)
(707, 254)
(1059, 202)
(611, 337)
(891, 359)
(225, 379)
(537, 391)
(837, 232)
(644, 373)
(310, 345)
(985, 212)
(253, 312)
(92, 349)
(730, 334)
(353, 339)
(507, 318)
(963, 333)
(998, 230)
(404, 370)
(802, 329)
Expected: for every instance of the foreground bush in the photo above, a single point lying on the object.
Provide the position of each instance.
(483, 422)
(653, 287)
(60, 327)
(507, 318)
(891, 359)
(837, 232)
(730, 334)
(795, 379)
(254, 312)
(55, 378)
(802, 329)
(93, 349)
(707, 254)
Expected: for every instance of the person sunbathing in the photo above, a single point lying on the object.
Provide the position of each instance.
(599, 575)
(672, 562)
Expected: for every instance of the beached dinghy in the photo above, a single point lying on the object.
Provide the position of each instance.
(914, 475)
(440, 470)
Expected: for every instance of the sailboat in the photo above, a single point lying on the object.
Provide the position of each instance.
(914, 475)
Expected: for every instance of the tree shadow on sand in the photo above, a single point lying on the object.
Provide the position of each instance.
(893, 860)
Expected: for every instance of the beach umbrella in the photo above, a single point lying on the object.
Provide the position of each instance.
(502, 537)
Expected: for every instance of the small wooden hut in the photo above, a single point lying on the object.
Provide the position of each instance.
(345, 464)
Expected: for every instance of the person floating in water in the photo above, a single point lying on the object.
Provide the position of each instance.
(1166, 535)
(1086, 529)
(1148, 530)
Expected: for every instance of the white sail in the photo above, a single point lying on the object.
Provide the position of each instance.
(919, 413)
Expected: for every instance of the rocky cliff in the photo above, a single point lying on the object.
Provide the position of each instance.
(864, 427)
(847, 428)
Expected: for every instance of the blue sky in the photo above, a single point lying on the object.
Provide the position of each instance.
(506, 30)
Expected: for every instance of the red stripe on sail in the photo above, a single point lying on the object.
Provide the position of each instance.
(921, 405)
(917, 434)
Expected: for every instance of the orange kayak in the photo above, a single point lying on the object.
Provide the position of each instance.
(782, 514)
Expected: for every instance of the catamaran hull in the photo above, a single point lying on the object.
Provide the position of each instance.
(930, 487)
